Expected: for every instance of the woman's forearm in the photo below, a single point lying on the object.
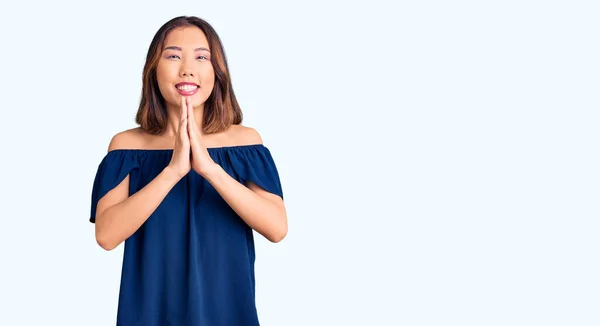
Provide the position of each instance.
(263, 215)
(120, 221)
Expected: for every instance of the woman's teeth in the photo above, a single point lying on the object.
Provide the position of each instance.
(187, 88)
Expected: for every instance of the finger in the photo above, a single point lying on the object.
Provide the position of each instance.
(194, 124)
(180, 121)
(191, 125)
(183, 110)
(183, 134)
(192, 119)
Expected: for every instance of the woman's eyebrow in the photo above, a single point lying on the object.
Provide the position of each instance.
(179, 49)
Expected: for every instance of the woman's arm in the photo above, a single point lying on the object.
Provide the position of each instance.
(119, 215)
(260, 209)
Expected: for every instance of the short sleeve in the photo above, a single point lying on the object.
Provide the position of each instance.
(256, 164)
(112, 170)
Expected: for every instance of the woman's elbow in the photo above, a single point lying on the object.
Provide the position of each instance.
(105, 244)
(279, 234)
(103, 241)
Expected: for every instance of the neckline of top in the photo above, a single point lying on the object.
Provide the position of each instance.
(220, 148)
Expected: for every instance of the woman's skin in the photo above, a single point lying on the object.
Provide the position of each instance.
(191, 64)
(186, 58)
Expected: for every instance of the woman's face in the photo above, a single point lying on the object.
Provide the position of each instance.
(184, 68)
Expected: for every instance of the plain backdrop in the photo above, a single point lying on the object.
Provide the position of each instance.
(439, 159)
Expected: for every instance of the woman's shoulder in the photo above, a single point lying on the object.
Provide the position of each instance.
(126, 139)
(244, 135)
(236, 135)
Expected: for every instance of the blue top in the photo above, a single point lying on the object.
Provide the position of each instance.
(192, 262)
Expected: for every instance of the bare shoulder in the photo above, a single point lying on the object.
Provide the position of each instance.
(130, 138)
(245, 135)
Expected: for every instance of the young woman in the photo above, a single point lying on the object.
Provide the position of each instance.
(185, 189)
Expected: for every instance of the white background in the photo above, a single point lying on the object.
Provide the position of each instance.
(439, 159)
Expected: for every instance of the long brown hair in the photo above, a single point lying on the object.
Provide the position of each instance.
(221, 109)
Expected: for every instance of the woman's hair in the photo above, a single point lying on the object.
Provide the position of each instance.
(221, 108)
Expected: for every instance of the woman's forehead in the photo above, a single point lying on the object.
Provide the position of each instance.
(188, 36)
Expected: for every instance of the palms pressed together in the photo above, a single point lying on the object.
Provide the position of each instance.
(201, 162)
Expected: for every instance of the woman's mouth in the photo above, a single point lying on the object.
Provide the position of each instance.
(187, 89)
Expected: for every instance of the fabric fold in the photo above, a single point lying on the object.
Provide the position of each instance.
(256, 164)
(112, 170)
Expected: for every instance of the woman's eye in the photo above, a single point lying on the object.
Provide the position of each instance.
(174, 55)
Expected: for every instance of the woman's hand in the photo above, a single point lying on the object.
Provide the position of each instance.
(180, 161)
(202, 163)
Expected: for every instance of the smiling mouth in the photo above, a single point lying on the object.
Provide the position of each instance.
(187, 88)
